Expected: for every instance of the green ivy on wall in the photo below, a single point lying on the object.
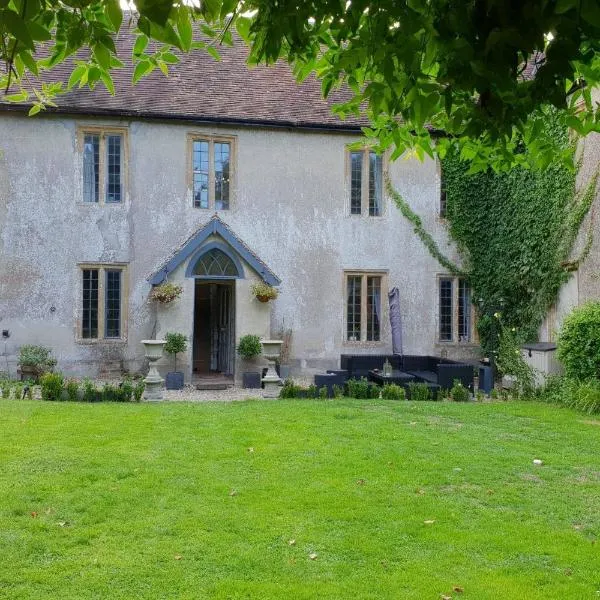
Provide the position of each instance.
(516, 232)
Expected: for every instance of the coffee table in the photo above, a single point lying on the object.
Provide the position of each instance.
(398, 377)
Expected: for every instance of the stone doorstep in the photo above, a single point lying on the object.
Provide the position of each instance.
(217, 385)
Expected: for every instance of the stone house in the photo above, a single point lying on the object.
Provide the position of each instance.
(214, 178)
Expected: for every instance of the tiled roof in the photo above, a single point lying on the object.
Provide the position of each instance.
(200, 88)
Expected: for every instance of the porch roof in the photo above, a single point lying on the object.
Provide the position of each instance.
(214, 227)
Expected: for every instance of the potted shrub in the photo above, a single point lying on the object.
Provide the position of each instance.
(166, 292)
(263, 291)
(35, 361)
(176, 343)
(249, 348)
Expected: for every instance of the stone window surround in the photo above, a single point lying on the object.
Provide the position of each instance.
(365, 183)
(103, 130)
(102, 268)
(212, 138)
(474, 341)
(363, 343)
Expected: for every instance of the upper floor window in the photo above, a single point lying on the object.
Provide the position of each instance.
(102, 302)
(363, 307)
(103, 165)
(456, 317)
(211, 172)
(366, 183)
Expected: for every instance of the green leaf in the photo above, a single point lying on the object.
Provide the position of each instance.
(184, 27)
(563, 6)
(17, 28)
(38, 32)
(213, 52)
(157, 11)
(76, 75)
(102, 56)
(164, 68)
(590, 12)
(20, 97)
(242, 25)
(141, 43)
(144, 67)
(108, 83)
(169, 57)
(35, 109)
(114, 13)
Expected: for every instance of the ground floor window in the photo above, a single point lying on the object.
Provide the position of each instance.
(363, 306)
(102, 301)
(456, 317)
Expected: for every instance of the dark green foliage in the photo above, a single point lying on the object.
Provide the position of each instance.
(311, 391)
(176, 344)
(323, 393)
(289, 390)
(72, 388)
(52, 386)
(579, 342)
(392, 391)
(126, 390)
(419, 392)
(362, 389)
(581, 395)
(90, 393)
(459, 393)
(249, 346)
(138, 390)
(110, 393)
(338, 391)
(5, 387)
(39, 358)
(516, 231)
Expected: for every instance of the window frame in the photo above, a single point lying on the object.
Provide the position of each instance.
(383, 290)
(102, 269)
(474, 340)
(212, 139)
(365, 182)
(103, 132)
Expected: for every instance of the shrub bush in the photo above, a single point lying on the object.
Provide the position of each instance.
(72, 388)
(138, 390)
(289, 390)
(392, 391)
(579, 342)
(311, 391)
(5, 387)
(419, 392)
(580, 395)
(90, 393)
(323, 393)
(459, 393)
(338, 391)
(126, 390)
(362, 389)
(249, 346)
(52, 386)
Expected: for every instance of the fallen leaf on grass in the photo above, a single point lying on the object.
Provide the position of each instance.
(313, 556)
(178, 557)
(233, 493)
(291, 542)
(458, 589)
(420, 491)
(361, 482)
(431, 522)
(250, 449)
(62, 523)
(444, 597)
(33, 514)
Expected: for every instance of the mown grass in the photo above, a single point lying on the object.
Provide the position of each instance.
(396, 500)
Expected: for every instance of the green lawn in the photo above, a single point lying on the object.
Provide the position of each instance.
(396, 500)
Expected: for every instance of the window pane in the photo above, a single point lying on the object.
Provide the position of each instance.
(91, 166)
(89, 318)
(353, 308)
(222, 154)
(215, 263)
(464, 311)
(375, 184)
(373, 308)
(356, 159)
(113, 168)
(200, 165)
(446, 310)
(112, 319)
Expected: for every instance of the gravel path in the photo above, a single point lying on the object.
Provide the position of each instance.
(191, 394)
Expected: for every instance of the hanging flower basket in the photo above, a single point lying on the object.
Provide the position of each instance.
(263, 291)
(166, 293)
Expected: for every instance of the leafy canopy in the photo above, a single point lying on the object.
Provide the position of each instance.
(481, 71)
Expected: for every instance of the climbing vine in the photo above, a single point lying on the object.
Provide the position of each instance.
(516, 232)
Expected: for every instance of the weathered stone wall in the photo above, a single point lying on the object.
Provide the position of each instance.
(290, 206)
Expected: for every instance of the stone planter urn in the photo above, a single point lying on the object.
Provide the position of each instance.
(154, 382)
(271, 351)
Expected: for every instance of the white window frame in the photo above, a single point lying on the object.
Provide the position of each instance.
(383, 290)
(103, 132)
(102, 268)
(365, 175)
(212, 139)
